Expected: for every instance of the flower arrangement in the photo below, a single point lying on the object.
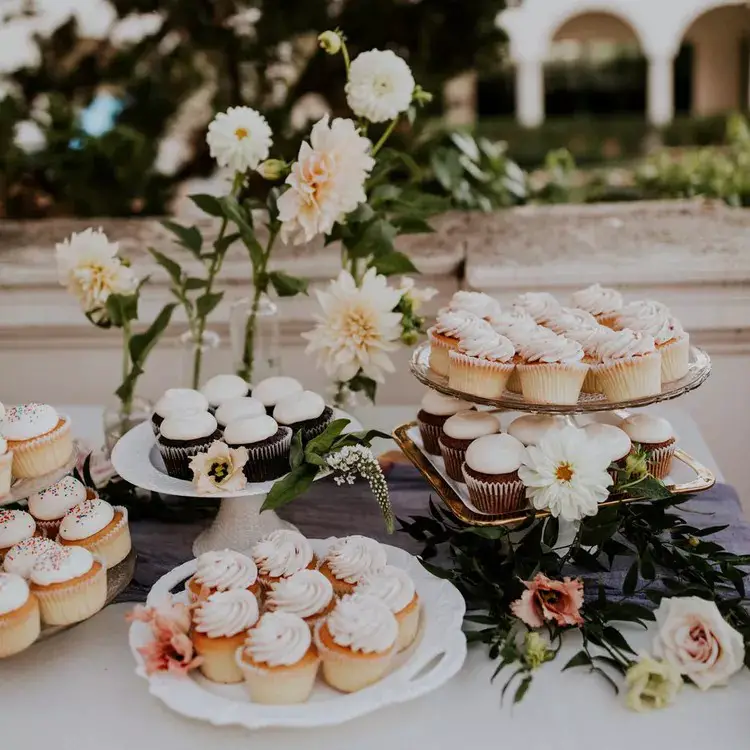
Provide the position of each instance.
(219, 469)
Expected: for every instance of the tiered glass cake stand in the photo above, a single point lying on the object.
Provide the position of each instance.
(690, 476)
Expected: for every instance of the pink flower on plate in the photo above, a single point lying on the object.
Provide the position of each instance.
(546, 599)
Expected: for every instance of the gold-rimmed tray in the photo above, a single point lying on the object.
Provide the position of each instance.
(455, 495)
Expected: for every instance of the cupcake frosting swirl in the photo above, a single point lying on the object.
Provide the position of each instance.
(15, 526)
(86, 519)
(22, 557)
(353, 556)
(484, 343)
(14, 592)
(455, 323)
(391, 585)
(226, 613)
(571, 318)
(551, 349)
(279, 639)
(306, 593)
(57, 500)
(478, 303)
(597, 300)
(27, 421)
(590, 338)
(652, 318)
(363, 623)
(625, 344)
(540, 305)
(61, 564)
(225, 569)
(282, 553)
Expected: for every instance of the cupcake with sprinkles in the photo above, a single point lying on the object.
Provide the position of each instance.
(21, 558)
(49, 506)
(15, 526)
(19, 615)
(281, 554)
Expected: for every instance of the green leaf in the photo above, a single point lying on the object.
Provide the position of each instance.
(171, 267)
(412, 225)
(286, 285)
(486, 532)
(141, 344)
(522, 689)
(384, 194)
(617, 639)
(209, 204)
(297, 453)
(551, 531)
(206, 303)
(376, 239)
(290, 487)
(363, 383)
(192, 283)
(393, 263)
(189, 237)
(581, 659)
(244, 222)
(447, 167)
(122, 308)
(322, 443)
(223, 244)
(631, 580)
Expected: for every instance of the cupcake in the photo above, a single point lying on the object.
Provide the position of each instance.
(458, 433)
(271, 390)
(181, 438)
(491, 474)
(516, 325)
(307, 594)
(481, 364)
(630, 366)
(221, 388)
(279, 661)
(220, 626)
(49, 506)
(552, 370)
(19, 615)
(21, 558)
(99, 527)
(449, 326)
(516, 318)
(394, 587)
(223, 570)
(281, 554)
(70, 584)
(656, 437)
(570, 318)
(174, 403)
(356, 642)
(6, 464)
(613, 441)
(267, 444)
(541, 306)
(603, 303)
(40, 440)
(304, 412)
(348, 559)
(436, 409)
(590, 339)
(241, 407)
(15, 526)
(476, 303)
(531, 428)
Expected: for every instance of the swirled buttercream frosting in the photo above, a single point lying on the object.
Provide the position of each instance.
(590, 338)
(625, 344)
(363, 623)
(226, 613)
(568, 318)
(478, 303)
(391, 585)
(551, 349)
(225, 569)
(540, 305)
(455, 323)
(487, 344)
(282, 553)
(353, 556)
(305, 593)
(279, 639)
(597, 300)
(652, 318)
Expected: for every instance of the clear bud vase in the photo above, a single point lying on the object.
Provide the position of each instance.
(197, 361)
(254, 332)
(120, 418)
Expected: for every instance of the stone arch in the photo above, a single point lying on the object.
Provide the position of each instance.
(594, 21)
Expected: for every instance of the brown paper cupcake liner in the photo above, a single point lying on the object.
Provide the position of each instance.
(454, 459)
(74, 602)
(637, 377)
(268, 461)
(659, 460)
(430, 435)
(177, 457)
(495, 497)
(479, 377)
(44, 454)
(552, 382)
(675, 359)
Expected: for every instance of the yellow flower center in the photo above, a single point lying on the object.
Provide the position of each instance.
(220, 470)
(359, 326)
(564, 472)
(241, 133)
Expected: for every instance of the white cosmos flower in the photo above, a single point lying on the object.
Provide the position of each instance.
(88, 266)
(357, 328)
(414, 294)
(380, 85)
(326, 182)
(29, 136)
(566, 473)
(239, 138)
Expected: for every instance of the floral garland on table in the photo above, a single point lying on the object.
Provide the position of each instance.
(523, 595)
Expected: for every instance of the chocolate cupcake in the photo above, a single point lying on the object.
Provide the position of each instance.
(176, 402)
(656, 436)
(459, 431)
(304, 412)
(435, 411)
(271, 390)
(267, 443)
(181, 438)
(238, 408)
(491, 474)
(221, 388)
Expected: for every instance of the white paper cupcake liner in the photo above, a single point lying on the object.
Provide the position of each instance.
(495, 497)
(675, 359)
(6, 462)
(44, 454)
(439, 354)
(636, 377)
(112, 547)
(514, 382)
(278, 687)
(552, 382)
(19, 629)
(478, 377)
(73, 602)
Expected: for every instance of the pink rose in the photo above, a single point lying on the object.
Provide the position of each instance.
(695, 639)
(546, 599)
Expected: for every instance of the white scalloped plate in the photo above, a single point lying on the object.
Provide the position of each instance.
(436, 656)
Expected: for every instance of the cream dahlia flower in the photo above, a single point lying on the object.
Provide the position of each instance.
(357, 328)
(239, 138)
(566, 474)
(326, 182)
(380, 85)
(89, 268)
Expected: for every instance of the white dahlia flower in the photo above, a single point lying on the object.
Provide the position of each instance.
(380, 85)
(239, 138)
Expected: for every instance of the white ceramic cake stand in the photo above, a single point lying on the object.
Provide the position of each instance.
(238, 525)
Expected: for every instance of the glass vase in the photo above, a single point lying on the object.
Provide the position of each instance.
(119, 420)
(196, 358)
(254, 332)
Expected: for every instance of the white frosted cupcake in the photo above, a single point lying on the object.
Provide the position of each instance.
(70, 584)
(570, 318)
(541, 306)
(241, 407)
(531, 428)
(449, 326)
(435, 412)
(6, 466)
(175, 402)
(268, 445)
(307, 594)
(271, 390)
(590, 339)
(348, 559)
(281, 554)
(458, 433)
(356, 642)
(220, 626)
(15, 526)
(279, 660)
(630, 366)
(19, 615)
(516, 325)
(657, 438)
(476, 303)
(552, 370)
(395, 588)
(491, 474)
(482, 363)
(99, 527)
(181, 438)
(304, 412)
(50, 506)
(21, 558)
(223, 570)
(613, 441)
(602, 302)
(39, 438)
(221, 388)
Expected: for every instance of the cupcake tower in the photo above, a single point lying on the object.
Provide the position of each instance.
(277, 619)
(551, 353)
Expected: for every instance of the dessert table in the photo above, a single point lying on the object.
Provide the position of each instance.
(90, 668)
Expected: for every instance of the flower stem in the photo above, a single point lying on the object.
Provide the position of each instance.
(127, 402)
(340, 397)
(345, 55)
(384, 137)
